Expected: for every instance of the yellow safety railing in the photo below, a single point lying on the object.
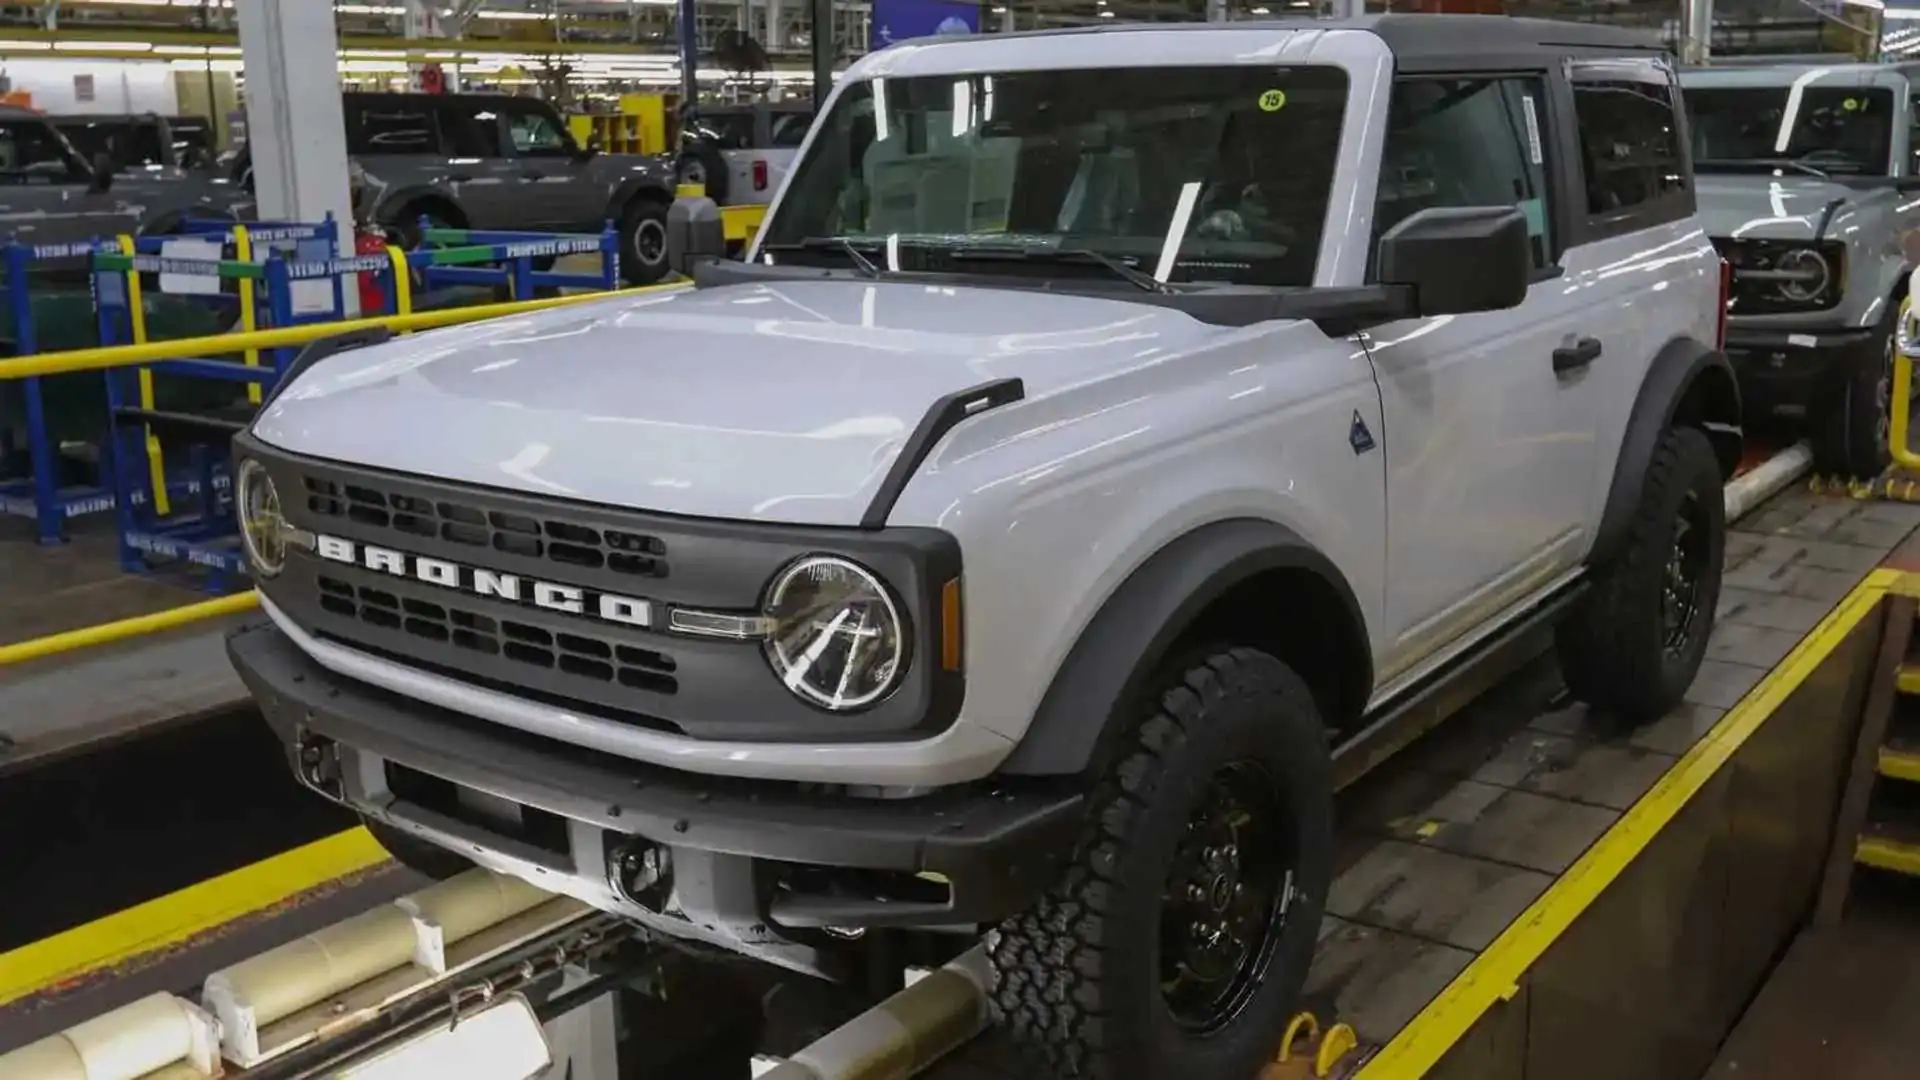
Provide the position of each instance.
(148, 352)
(119, 356)
(1900, 409)
(107, 633)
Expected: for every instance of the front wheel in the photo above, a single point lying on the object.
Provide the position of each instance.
(1176, 940)
(1853, 438)
(1635, 641)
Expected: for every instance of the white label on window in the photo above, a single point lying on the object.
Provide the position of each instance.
(1533, 130)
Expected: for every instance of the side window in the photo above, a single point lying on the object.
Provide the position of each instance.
(789, 130)
(1913, 134)
(1466, 142)
(472, 129)
(143, 146)
(1629, 142)
(31, 153)
(392, 127)
(534, 134)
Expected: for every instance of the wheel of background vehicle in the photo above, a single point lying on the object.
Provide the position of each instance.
(703, 164)
(1176, 940)
(643, 241)
(1634, 643)
(405, 228)
(416, 854)
(1852, 437)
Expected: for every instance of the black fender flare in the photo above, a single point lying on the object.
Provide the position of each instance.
(1685, 373)
(1133, 632)
(638, 187)
(392, 202)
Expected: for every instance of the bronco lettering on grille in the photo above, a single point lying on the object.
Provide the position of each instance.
(570, 599)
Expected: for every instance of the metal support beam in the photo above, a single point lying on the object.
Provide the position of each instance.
(824, 48)
(687, 23)
(1696, 39)
(295, 124)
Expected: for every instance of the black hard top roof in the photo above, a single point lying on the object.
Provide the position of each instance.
(1427, 42)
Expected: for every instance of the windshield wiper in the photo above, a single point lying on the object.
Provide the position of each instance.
(1762, 163)
(841, 244)
(1119, 269)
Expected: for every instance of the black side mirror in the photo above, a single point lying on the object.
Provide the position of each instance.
(695, 234)
(103, 170)
(1459, 259)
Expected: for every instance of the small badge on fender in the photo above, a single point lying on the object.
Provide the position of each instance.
(1358, 436)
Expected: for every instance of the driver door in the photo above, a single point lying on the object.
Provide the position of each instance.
(560, 190)
(1490, 452)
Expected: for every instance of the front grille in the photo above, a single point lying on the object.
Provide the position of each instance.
(568, 543)
(578, 655)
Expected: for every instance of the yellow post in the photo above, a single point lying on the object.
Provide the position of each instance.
(402, 283)
(243, 251)
(1905, 342)
(137, 313)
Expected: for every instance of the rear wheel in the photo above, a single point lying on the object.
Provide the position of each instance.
(1852, 437)
(1176, 940)
(1635, 641)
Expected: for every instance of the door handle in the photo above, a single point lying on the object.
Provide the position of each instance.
(534, 174)
(1575, 356)
(459, 177)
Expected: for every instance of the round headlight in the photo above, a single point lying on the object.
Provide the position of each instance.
(262, 527)
(1814, 273)
(838, 639)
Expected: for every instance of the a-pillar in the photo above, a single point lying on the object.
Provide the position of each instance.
(295, 128)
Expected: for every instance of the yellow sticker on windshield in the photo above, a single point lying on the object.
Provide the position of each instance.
(1851, 104)
(1273, 101)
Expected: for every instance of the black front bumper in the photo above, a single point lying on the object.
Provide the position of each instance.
(386, 755)
(1789, 369)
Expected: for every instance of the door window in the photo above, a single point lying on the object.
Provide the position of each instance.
(535, 134)
(1629, 143)
(33, 153)
(1466, 142)
(472, 129)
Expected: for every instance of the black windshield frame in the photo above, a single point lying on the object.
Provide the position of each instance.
(1838, 130)
(1098, 160)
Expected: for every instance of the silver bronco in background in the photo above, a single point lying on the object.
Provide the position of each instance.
(1809, 177)
(1099, 453)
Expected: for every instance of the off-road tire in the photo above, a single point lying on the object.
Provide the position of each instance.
(1076, 977)
(635, 267)
(1850, 437)
(711, 165)
(1613, 647)
(429, 860)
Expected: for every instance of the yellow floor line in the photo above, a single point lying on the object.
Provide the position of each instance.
(179, 916)
(1495, 974)
(1885, 853)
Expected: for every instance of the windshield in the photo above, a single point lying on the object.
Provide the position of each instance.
(1193, 174)
(1819, 129)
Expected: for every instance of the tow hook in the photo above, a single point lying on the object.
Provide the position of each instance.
(317, 761)
(642, 874)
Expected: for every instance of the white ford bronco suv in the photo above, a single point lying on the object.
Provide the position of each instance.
(1108, 436)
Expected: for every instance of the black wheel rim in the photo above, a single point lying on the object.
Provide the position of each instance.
(1226, 898)
(1686, 566)
(650, 241)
